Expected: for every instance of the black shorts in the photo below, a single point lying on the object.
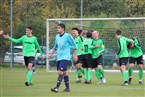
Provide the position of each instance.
(139, 60)
(123, 61)
(80, 58)
(28, 60)
(97, 61)
(87, 61)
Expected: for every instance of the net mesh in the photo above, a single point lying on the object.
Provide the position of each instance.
(130, 28)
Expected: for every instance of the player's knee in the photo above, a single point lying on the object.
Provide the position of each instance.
(140, 66)
(131, 65)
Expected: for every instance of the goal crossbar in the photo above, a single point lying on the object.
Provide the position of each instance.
(88, 19)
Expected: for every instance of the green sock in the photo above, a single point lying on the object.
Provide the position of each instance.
(89, 75)
(78, 73)
(124, 75)
(82, 70)
(97, 73)
(29, 76)
(140, 74)
(86, 74)
(101, 70)
(130, 71)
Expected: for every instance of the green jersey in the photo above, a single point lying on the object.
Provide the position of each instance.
(30, 45)
(136, 51)
(98, 51)
(79, 44)
(87, 46)
(122, 44)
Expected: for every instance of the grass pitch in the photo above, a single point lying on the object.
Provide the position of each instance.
(12, 85)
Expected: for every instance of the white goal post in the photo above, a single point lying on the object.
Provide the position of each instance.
(78, 19)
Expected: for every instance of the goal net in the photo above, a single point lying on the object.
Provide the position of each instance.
(131, 27)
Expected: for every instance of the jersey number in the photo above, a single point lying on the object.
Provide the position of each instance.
(86, 48)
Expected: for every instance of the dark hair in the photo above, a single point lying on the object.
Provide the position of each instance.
(75, 28)
(62, 26)
(118, 32)
(29, 27)
(80, 32)
(89, 34)
(129, 45)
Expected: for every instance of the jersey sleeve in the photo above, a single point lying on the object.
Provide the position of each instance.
(19, 40)
(72, 42)
(38, 46)
(127, 39)
(102, 46)
(136, 43)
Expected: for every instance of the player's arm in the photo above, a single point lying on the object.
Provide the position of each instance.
(38, 47)
(120, 46)
(73, 44)
(51, 53)
(12, 39)
(53, 50)
(129, 40)
(96, 46)
(136, 43)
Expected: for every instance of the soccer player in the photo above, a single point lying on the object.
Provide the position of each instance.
(97, 57)
(79, 44)
(123, 55)
(135, 55)
(87, 56)
(30, 45)
(63, 41)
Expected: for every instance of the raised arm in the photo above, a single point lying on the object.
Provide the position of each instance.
(19, 40)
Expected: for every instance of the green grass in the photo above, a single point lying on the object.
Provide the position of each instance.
(12, 85)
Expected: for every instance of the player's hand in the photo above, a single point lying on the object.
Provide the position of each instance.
(6, 36)
(42, 57)
(132, 41)
(49, 56)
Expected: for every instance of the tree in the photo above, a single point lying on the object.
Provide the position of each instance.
(135, 8)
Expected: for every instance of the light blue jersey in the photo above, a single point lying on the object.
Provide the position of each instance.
(62, 46)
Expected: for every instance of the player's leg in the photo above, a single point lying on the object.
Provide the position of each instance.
(140, 73)
(59, 79)
(78, 72)
(30, 72)
(66, 81)
(62, 68)
(89, 68)
(34, 67)
(79, 69)
(80, 66)
(130, 72)
(100, 67)
(123, 62)
(97, 73)
(130, 69)
(84, 64)
(140, 64)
